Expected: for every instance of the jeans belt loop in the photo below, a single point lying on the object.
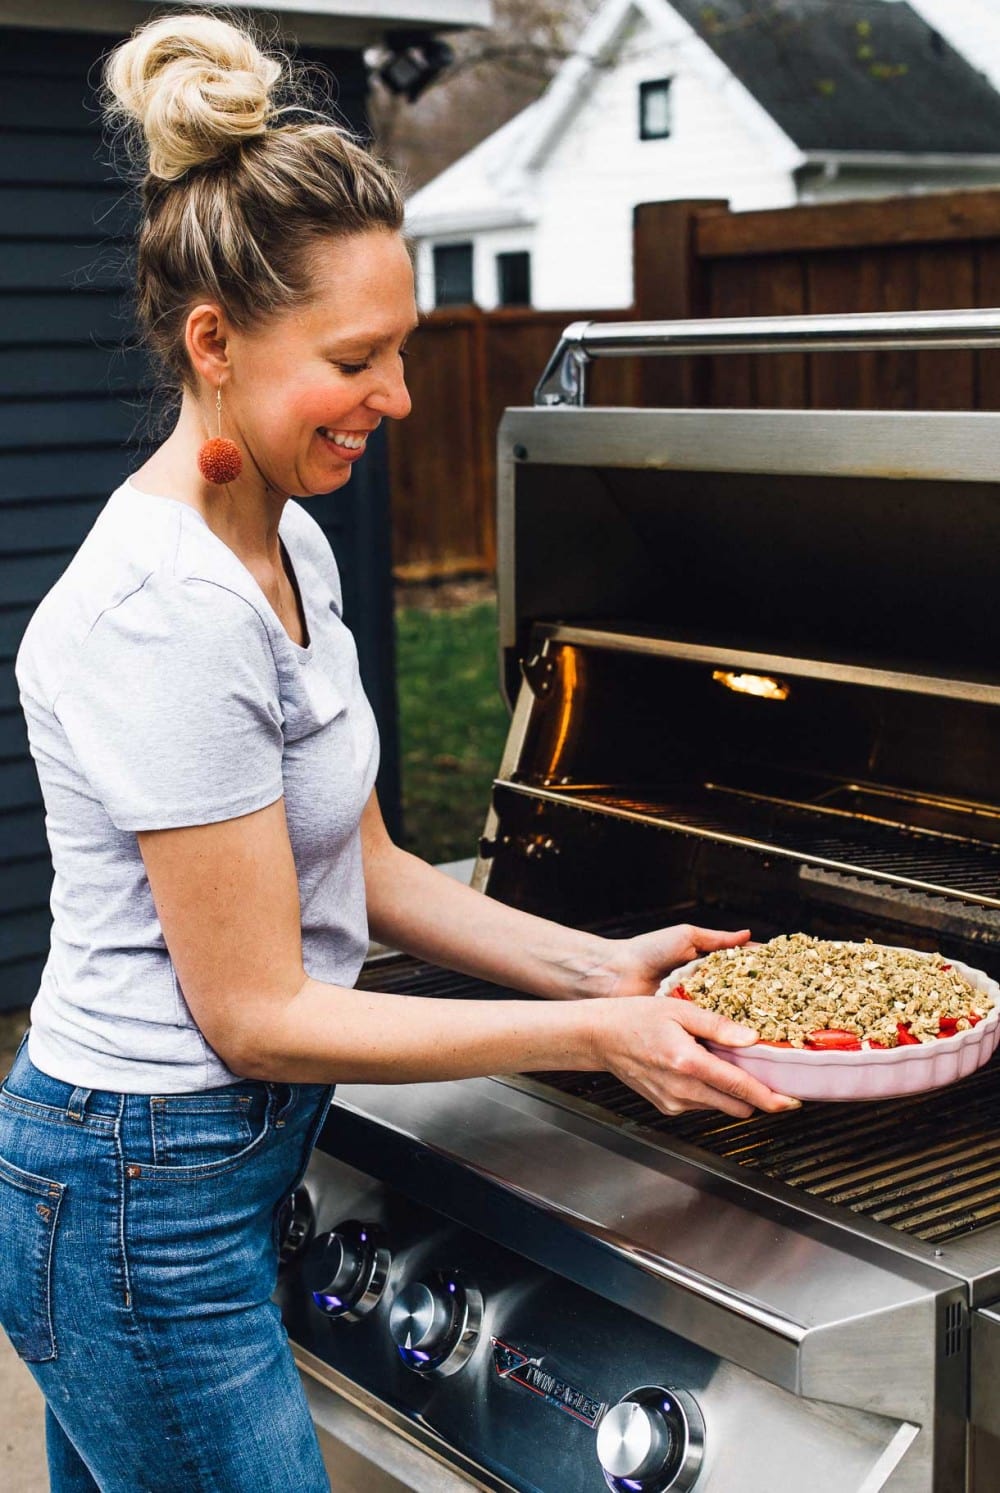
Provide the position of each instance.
(77, 1106)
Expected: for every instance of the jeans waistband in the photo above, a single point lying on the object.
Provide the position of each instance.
(28, 1082)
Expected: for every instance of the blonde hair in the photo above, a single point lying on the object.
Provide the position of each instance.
(234, 199)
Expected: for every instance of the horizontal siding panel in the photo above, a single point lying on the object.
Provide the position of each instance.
(44, 526)
(52, 423)
(25, 884)
(24, 933)
(32, 211)
(49, 474)
(19, 982)
(13, 732)
(9, 701)
(45, 266)
(22, 833)
(67, 104)
(73, 370)
(13, 621)
(19, 783)
(24, 578)
(37, 317)
(56, 159)
(51, 54)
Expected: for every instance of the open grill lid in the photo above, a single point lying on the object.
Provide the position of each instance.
(773, 631)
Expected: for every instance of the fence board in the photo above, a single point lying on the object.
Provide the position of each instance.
(467, 367)
(732, 377)
(934, 218)
(987, 262)
(945, 279)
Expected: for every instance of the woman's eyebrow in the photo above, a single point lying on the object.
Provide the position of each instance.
(357, 340)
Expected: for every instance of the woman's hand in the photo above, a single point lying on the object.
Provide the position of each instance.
(635, 966)
(651, 1046)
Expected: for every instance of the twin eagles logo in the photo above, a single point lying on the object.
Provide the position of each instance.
(515, 1365)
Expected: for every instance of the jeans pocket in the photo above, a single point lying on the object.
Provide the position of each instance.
(205, 1130)
(29, 1213)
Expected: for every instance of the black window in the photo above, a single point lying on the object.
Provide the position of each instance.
(654, 110)
(452, 274)
(514, 278)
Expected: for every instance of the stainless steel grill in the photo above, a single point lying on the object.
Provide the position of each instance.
(928, 1166)
(752, 659)
(925, 860)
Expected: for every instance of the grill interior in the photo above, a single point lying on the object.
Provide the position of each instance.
(947, 865)
(928, 1165)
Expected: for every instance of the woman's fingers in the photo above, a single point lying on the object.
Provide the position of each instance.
(651, 1046)
(706, 940)
(691, 1094)
(709, 1025)
(722, 1078)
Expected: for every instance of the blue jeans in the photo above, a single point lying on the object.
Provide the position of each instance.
(138, 1256)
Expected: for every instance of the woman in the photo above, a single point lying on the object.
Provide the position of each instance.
(207, 757)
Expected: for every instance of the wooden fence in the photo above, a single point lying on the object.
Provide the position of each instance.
(934, 252)
(466, 367)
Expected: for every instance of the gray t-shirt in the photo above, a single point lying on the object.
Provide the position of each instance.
(160, 689)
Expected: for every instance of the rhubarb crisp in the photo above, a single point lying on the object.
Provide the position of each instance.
(817, 994)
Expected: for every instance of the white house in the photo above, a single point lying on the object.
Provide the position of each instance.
(674, 99)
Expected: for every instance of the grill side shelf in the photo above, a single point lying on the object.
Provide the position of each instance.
(968, 871)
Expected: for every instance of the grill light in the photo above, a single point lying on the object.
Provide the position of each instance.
(761, 685)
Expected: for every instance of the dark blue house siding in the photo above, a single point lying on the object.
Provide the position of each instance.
(76, 399)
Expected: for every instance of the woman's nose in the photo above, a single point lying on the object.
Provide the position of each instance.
(392, 398)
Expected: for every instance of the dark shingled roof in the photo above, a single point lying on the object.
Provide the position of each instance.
(842, 75)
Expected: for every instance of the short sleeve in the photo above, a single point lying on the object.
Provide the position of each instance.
(172, 708)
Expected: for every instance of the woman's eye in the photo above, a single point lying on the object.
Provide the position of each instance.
(350, 368)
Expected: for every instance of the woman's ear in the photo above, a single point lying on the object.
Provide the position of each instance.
(206, 340)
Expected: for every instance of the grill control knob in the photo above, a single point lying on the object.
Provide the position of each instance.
(652, 1440)
(435, 1322)
(346, 1270)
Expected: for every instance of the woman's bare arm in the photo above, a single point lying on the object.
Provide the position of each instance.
(227, 898)
(418, 909)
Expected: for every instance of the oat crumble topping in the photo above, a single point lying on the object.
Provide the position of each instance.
(796, 985)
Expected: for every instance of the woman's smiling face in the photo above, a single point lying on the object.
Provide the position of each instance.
(307, 389)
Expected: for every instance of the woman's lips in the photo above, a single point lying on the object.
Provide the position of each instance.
(343, 452)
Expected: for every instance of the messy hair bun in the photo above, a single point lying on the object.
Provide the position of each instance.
(235, 197)
(195, 85)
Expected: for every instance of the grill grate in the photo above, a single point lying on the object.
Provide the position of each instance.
(966, 869)
(928, 1165)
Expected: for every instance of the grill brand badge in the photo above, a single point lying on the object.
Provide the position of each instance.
(515, 1365)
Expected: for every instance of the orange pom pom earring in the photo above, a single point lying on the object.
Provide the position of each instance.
(219, 460)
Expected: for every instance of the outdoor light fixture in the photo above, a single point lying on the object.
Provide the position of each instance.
(414, 61)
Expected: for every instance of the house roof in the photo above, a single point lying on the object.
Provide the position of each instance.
(825, 78)
(852, 75)
(474, 192)
(333, 23)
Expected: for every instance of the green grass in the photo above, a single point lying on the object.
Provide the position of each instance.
(452, 724)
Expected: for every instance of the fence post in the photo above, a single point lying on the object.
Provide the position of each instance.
(670, 285)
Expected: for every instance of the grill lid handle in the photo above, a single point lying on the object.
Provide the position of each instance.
(564, 381)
